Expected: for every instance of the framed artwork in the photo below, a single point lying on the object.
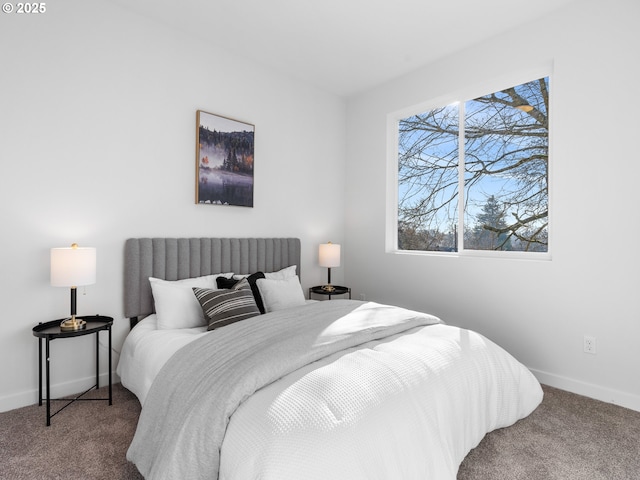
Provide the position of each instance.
(224, 160)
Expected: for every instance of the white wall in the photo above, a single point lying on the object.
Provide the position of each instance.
(97, 122)
(537, 310)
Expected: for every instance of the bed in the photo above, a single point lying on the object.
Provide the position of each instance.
(339, 389)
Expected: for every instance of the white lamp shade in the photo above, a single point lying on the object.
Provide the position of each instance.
(73, 266)
(329, 255)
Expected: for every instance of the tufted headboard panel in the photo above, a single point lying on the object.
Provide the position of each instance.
(178, 258)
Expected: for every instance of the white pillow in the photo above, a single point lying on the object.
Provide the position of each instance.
(279, 294)
(176, 305)
(283, 274)
(286, 272)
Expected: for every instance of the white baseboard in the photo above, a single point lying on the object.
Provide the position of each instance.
(604, 394)
(30, 397)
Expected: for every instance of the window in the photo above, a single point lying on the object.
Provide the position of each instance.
(474, 175)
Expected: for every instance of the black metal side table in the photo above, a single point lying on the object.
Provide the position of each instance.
(51, 331)
(337, 290)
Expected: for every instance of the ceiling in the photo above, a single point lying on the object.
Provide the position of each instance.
(343, 46)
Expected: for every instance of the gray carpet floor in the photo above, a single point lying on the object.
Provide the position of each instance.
(569, 437)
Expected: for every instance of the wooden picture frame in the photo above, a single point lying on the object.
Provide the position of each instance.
(224, 160)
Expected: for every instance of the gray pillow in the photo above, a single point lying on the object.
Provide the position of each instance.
(223, 307)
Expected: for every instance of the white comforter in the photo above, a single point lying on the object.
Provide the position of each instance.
(384, 405)
(145, 351)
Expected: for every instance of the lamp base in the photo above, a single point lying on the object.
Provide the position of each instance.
(328, 288)
(72, 324)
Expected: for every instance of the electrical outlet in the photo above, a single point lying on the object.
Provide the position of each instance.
(589, 344)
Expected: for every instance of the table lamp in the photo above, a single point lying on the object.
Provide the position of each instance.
(73, 267)
(329, 256)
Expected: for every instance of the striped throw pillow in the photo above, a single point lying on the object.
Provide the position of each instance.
(223, 307)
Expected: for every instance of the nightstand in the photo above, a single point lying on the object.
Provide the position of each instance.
(337, 290)
(51, 331)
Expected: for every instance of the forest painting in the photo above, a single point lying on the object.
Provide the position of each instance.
(224, 161)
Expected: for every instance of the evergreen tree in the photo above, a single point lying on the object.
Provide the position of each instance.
(490, 231)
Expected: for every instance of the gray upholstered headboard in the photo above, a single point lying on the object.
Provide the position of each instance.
(178, 258)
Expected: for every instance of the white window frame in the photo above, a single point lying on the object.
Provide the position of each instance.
(475, 91)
